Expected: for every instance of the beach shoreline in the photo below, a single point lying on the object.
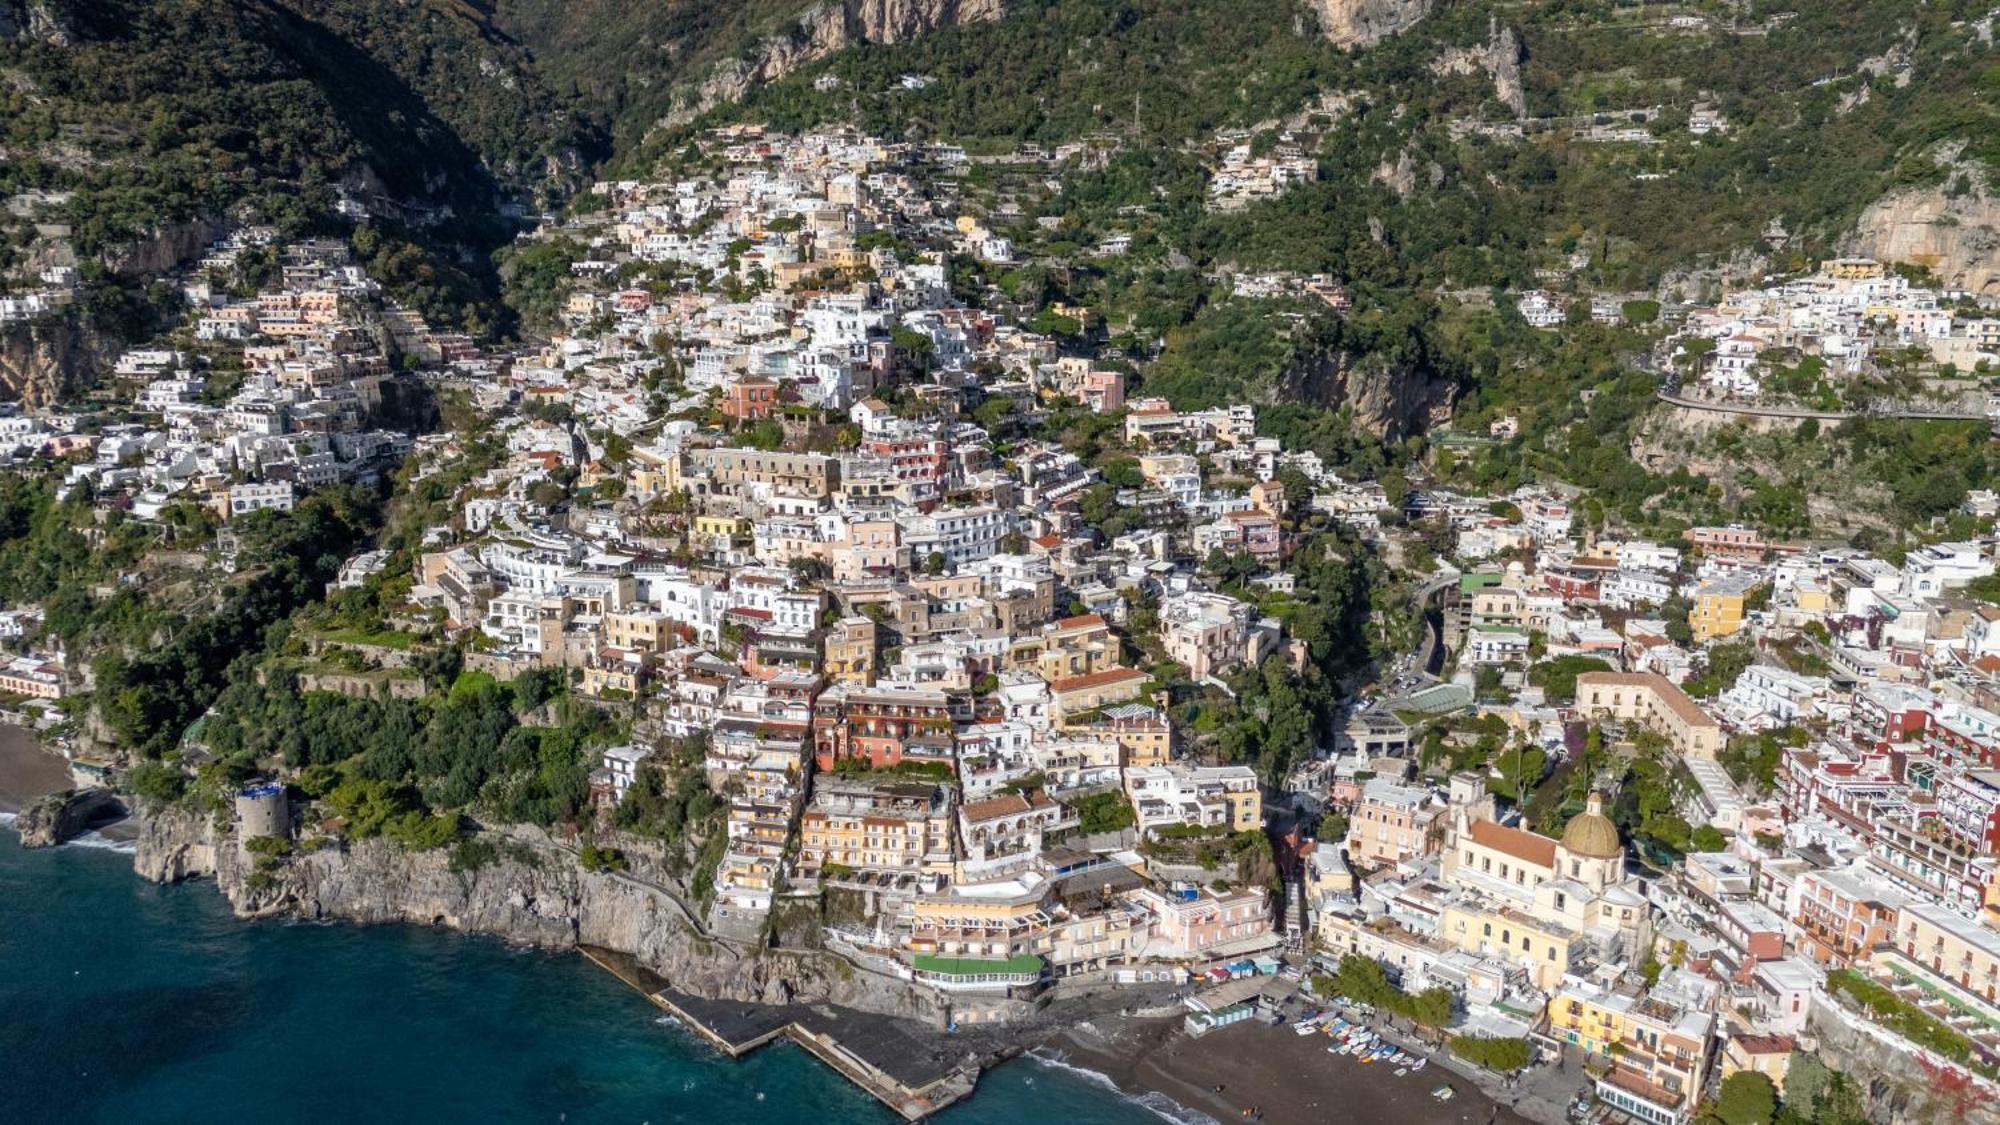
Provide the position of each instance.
(28, 769)
(1254, 1068)
(1251, 1066)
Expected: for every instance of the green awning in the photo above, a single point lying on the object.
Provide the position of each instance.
(973, 966)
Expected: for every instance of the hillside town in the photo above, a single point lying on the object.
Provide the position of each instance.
(799, 515)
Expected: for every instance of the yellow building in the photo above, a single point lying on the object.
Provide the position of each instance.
(711, 529)
(1071, 647)
(1719, 606)
(1654, 702)
(1813, 595)
(898, 830)
(984, 921)
(850, 650)
(614, 674)
(1143, 739)
(1953, 954)
(1768, 1055)
(1098, 689)
(1657, 1041)
(1536, 901)
(1540, 947)
(640, 631)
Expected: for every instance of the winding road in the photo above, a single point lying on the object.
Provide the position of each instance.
(1800, 412)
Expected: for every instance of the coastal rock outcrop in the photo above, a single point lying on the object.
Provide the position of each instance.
(1897, 1089)
(61, 817)
(532, 893)
(1363, 23)
(173, 844)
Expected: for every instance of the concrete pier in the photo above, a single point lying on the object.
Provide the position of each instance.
(912, 1071)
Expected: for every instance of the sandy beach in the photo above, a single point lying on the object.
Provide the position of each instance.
(28, 769)
(1285, 1077)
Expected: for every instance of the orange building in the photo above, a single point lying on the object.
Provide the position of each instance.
(750, 400)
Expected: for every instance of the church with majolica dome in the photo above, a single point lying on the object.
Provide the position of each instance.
(1551, 906)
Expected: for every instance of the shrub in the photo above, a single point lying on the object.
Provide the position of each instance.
(595, 858)
(1492, 1053)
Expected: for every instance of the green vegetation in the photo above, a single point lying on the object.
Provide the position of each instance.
(1492, 1053)
(1557, 677)
(1753, 759)
(161, 675)
(181, 113)
(1058, 69)
(670, 801)
(1720, 666)
(155, 781)
(595, 858)
(1646, 809)
(1821, 1096)
(406, 769)
(1363, 979)
(1746, 1098)
(1899, 1015)
(1104, 812)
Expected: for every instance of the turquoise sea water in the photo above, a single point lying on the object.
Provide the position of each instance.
(121, 1001)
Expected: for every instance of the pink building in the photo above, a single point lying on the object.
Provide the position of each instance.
(1199, 923)
(1392, 823)
(1104, 391)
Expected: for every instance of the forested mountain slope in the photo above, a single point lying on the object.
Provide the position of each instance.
(133, 128)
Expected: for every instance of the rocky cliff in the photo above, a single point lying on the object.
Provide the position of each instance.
(1953, 230)
(162, 250)
(1499, 59)
(1361, 23)
(1386, 397)
(43, 360)
(33, 19)
(61, 817)
(533, 893)
(821, 30)
(1899, 1089)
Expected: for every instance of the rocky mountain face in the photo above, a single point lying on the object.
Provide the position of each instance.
(1952, 229)
(33, 19)
(820, 31)
(534, 895)
(1499, 59)
(1363, 23)
(894, 21)
(42, 361)
(1391, 399)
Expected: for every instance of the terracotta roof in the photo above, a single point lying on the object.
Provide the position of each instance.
(1007, 804)
(1081, 621)
(1526, 846)
(1098, 679)
(1668, 692)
